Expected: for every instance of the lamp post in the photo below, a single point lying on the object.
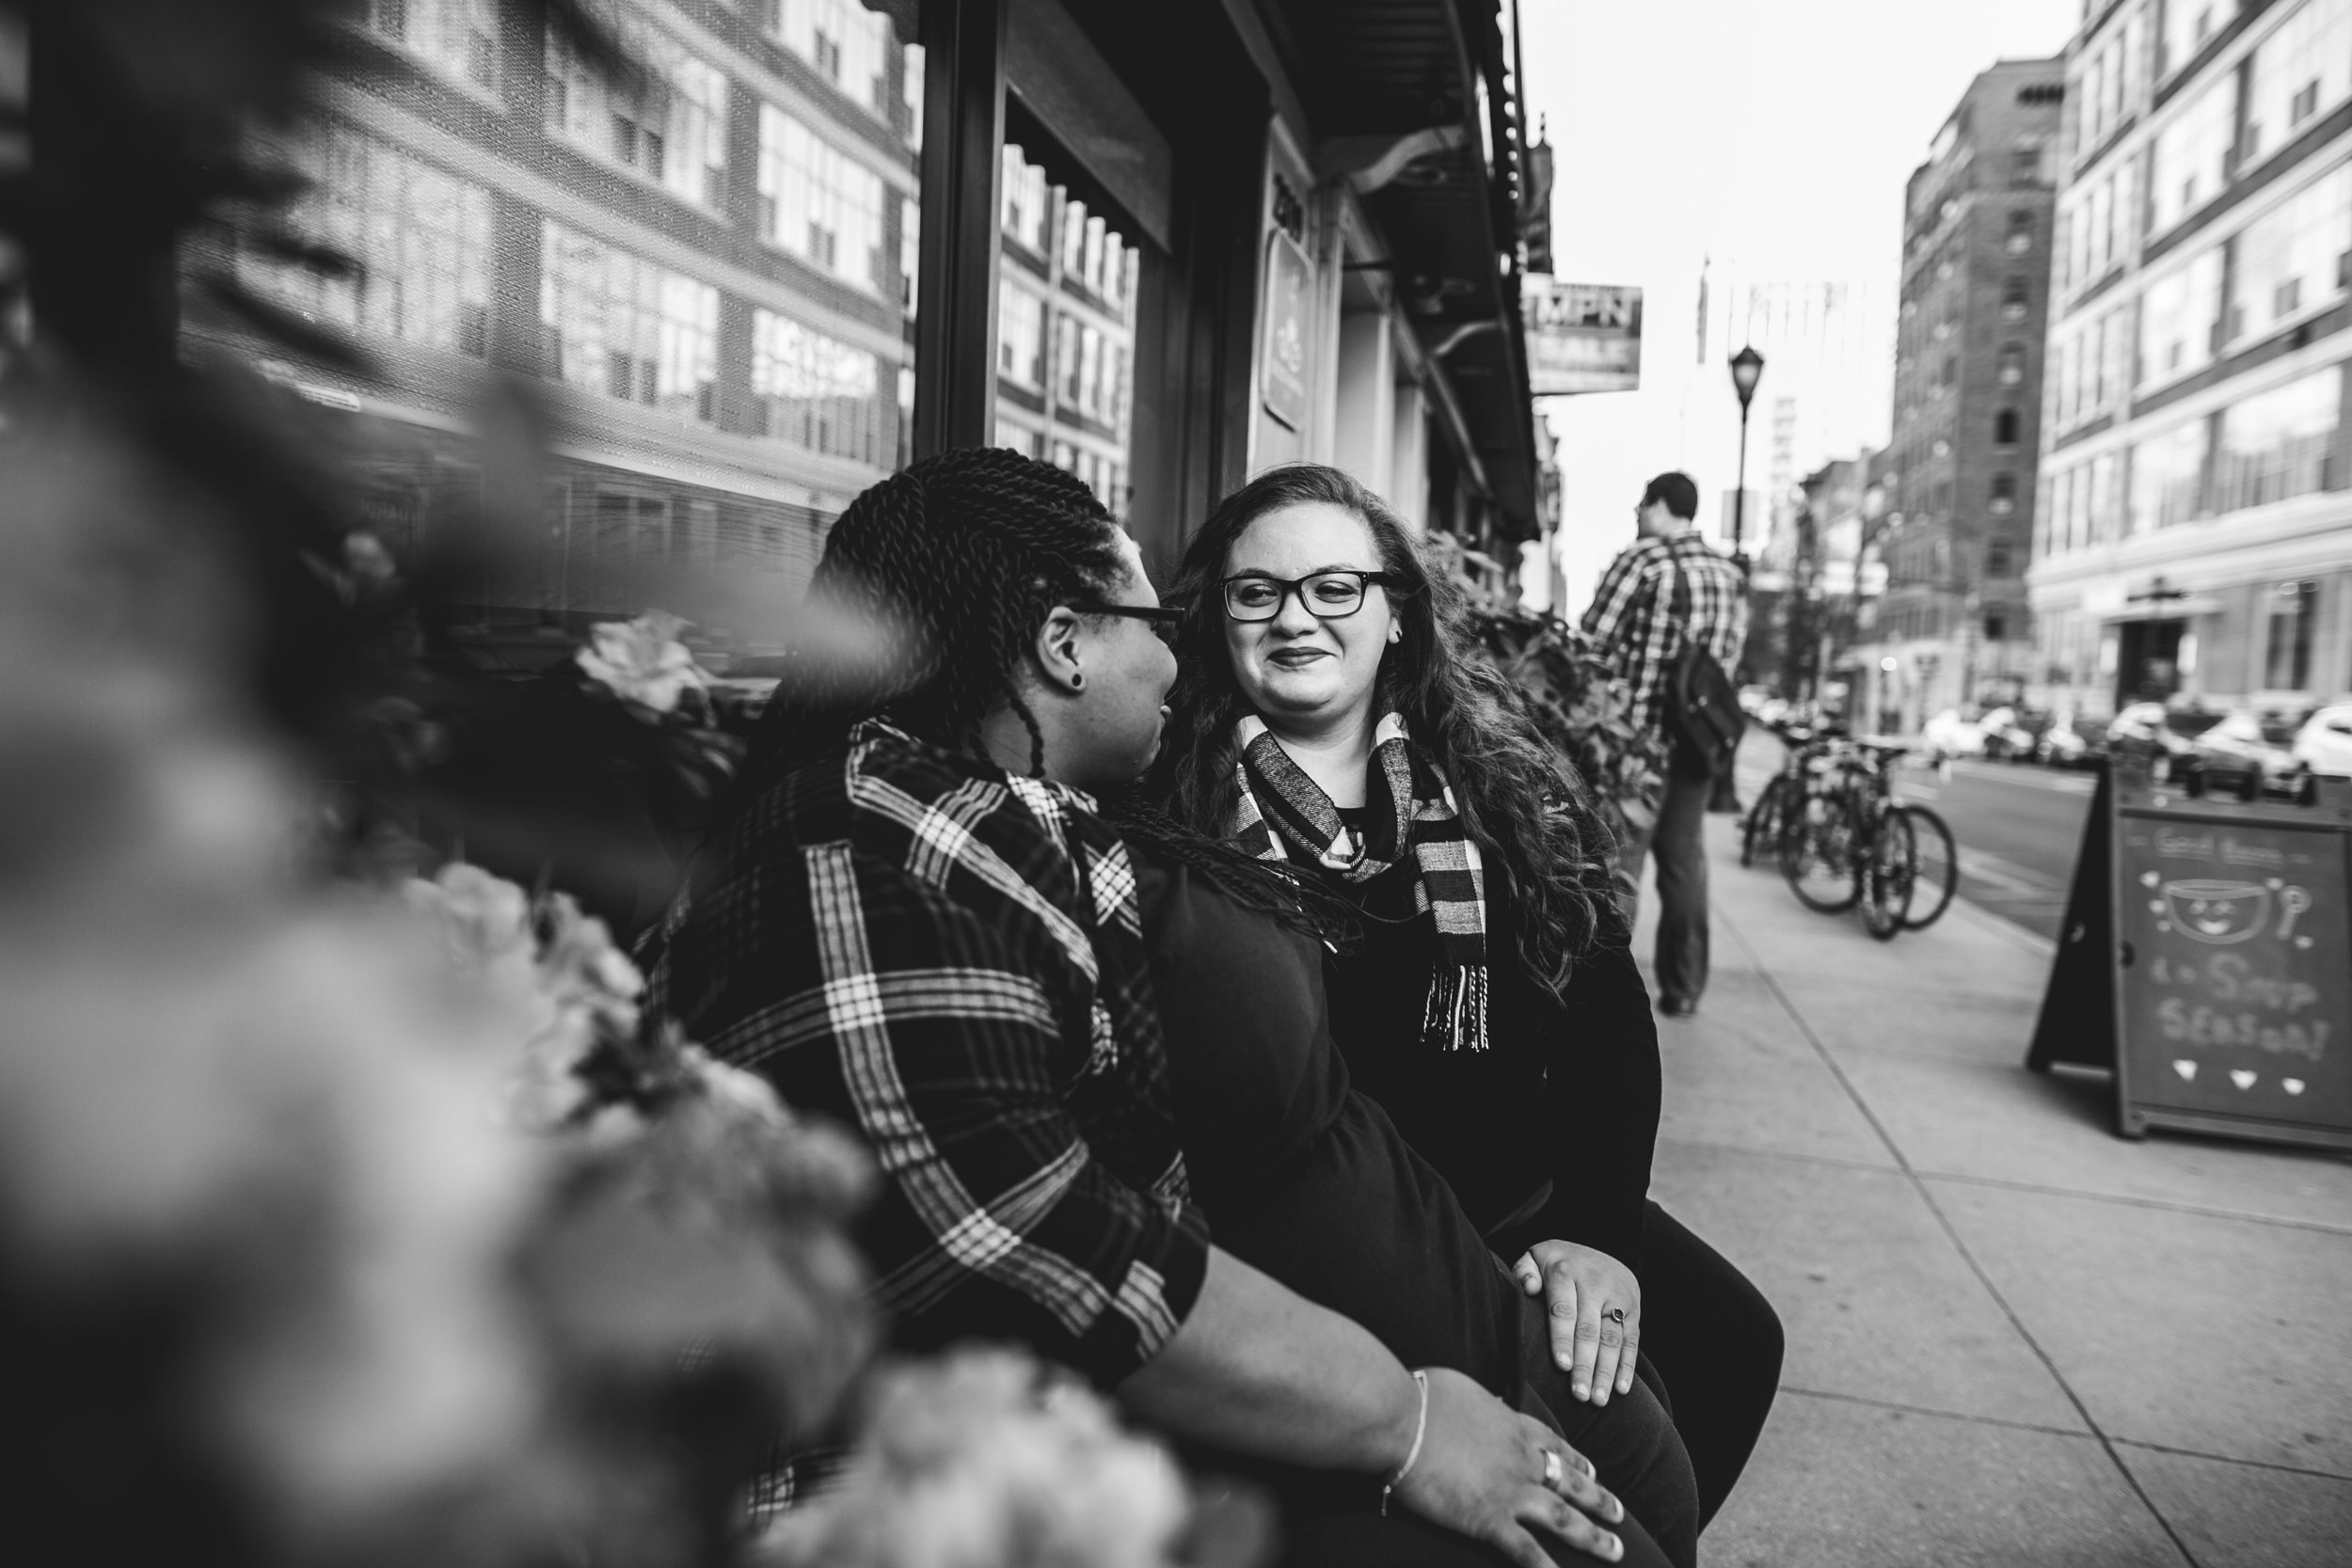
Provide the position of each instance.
(1747, 368)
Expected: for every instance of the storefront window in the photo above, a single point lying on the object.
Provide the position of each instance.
(2188, 162)
(2287, 666)
(818, 202)
(2294, 257)
(2168, 473)
(2299, 73)
(2177, 318)
(670, 126)
(622, 325)
(2278, 443)
(421, 237)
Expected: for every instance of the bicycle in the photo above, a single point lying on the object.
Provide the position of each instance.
(1852, 842)
(1767, 820)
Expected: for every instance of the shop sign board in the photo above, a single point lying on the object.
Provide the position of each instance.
(1282, 358)
(1580, 337)
(2207, 959)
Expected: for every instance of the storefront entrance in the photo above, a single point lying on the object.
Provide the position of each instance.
(2148, 660)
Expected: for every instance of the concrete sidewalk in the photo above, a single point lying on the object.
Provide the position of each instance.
(2014, 1338)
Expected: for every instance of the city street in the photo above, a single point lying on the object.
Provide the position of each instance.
(2018, 828)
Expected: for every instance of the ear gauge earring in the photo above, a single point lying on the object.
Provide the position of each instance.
(1078, 680)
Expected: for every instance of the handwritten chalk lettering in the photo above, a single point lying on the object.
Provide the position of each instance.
(2234, 853)
(2208, 1027)
(2232, 981)
(2177, 845)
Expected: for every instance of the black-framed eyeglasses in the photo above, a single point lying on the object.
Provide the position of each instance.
(1327, 596)
(1163, 620)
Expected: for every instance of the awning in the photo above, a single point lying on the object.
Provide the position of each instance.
(2158, 610)
(1404, 91)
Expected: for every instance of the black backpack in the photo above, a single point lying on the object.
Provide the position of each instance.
(1700, 704)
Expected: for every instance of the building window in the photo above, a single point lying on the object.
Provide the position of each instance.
(2011, 369)
(2014, 301)
(2187, 24)
(2176, 320)
(2188, 160)
(671, 127)
(421, 238)
(816, 393)
(1995, 626)
(2020, 232)
(2167, 477)
(1021, 337)
(2024, 162)
(2291, 257)
(819, 203)
(2004, 428)
(1996, 559)
(459, 36)
(2287, 643)
(621, 326)
(2003, 499)
(2278, 443)
(2301, 71)
(1029, 201)
(849, 45)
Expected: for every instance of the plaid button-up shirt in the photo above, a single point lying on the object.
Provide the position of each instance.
(1631, 616)
(949, 960)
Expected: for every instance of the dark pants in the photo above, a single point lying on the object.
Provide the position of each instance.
(1681, 884)
(1717, 1343)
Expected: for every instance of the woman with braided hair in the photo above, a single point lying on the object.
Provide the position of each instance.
(915, 922)
(1334, 715)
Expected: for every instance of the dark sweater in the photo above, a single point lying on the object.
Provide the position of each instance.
(1300, 1176)
(1567, 1093)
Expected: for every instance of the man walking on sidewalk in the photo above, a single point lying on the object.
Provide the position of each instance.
(1667, 588)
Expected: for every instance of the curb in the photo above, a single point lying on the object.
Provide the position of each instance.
(2016, 936)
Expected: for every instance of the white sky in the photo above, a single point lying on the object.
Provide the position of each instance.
(1775, 135)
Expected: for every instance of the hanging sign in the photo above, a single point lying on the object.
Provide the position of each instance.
(1283, 360)
(2207, 959)
(1580, 337)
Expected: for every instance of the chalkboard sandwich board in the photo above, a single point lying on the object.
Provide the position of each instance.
(2207, 959)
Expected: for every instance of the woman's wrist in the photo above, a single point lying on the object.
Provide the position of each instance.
(1421, 1434)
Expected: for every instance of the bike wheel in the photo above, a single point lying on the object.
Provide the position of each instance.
(1816, 854)
(1761, 832)
(1889, 874)
(1938, 862)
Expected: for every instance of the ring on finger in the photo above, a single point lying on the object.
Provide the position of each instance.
(1615, 1315)
(1554, 1471)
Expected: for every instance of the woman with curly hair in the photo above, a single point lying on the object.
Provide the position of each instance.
(1332, 712)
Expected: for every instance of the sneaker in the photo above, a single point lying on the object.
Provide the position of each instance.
(1677, 1007)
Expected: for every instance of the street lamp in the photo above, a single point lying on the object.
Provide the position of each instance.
(1747, 368)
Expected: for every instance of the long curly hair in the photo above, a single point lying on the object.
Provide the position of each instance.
(955, 561)
(1520, 800)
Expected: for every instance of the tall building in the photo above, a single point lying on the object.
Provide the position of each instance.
(788, 251)
(2197, 533)
(1959, 473)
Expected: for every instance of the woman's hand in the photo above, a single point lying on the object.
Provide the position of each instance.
(1486, 1471)
(1596, 1314)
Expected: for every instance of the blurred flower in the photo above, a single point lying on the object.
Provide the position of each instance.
(643, 662)
(985, 1460)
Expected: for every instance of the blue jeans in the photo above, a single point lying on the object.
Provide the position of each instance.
(1681, 884)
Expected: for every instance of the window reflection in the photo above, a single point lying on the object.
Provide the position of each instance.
(2278, 443)
(2188, 162)
(2292, 257)
(2167, 474)
(2299, 73)
(2176, 320)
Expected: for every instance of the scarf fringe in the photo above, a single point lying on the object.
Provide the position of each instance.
(1455, 1016)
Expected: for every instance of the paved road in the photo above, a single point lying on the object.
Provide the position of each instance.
(2018, 828)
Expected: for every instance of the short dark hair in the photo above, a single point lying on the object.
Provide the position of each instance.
(1678, 491)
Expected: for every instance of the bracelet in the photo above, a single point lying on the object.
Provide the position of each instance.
(1421, 1430)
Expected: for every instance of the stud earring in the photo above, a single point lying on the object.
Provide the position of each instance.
(1396, 634)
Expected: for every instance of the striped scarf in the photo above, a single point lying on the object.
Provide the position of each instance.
(1409, 806)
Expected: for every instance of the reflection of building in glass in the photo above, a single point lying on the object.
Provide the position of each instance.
(707, 265)
(1065, 332)
(2195, 532)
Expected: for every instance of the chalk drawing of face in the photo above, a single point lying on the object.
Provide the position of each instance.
(2214, 912)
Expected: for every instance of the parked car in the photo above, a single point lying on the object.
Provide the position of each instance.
(2324, 744)
(1949, 735)
(2251, 753)
(2072, 744)
(1753, 698)
(2011, 734)
(2163, 737)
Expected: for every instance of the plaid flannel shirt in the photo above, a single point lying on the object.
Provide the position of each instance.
(1632, 620)
(950, 959)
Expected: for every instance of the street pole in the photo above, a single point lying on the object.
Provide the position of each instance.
(1747, 367)
(1739, 496)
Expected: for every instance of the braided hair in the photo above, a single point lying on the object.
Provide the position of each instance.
(956, 560)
